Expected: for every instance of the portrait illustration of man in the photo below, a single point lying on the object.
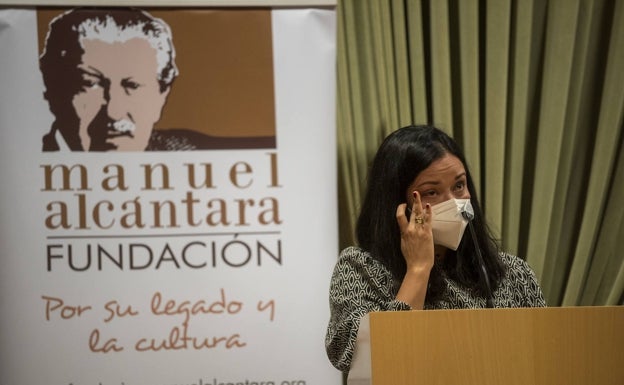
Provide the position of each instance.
(107, 76)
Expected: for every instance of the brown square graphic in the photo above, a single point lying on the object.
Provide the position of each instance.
(225, 85)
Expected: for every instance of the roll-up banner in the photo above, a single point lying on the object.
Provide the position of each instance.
(168, 199)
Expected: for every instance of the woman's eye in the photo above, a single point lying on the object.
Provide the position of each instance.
(460, 186)
(429, 193)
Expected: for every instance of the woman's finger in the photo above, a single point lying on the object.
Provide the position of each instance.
(400, 216)
(428, 214)
(417, 211)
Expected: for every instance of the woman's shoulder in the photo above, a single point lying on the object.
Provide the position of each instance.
(515, 263)
(354, 252)
(509, 259)
(356, 258)
(521, 282)
(360, 277)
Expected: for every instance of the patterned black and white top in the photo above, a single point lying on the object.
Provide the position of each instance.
(360, 284)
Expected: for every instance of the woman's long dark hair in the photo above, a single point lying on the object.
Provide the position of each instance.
(401, 157)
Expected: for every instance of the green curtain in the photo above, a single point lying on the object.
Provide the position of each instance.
(534, 93)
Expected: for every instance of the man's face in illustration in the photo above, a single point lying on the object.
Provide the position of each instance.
(119, 99)
(107, 75)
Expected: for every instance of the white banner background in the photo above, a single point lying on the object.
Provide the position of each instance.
(282, 311)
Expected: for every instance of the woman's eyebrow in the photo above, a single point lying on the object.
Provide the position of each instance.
(437, 182)
(427, 182)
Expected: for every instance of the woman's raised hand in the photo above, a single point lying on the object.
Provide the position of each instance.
(416, 235)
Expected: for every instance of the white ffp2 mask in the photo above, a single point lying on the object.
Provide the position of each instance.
(448, 223)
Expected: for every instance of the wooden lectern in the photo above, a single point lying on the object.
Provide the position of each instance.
(573, 345)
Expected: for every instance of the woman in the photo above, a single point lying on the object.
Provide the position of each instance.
(406, 259)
